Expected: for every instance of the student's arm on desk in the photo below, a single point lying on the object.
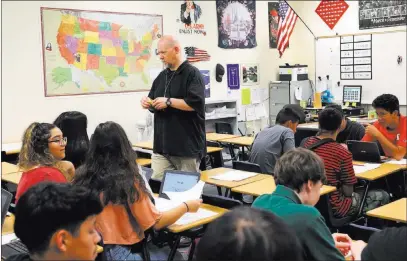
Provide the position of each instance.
(319, 241)
(395, 151)
(169, 217)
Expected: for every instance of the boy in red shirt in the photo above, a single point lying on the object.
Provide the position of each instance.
(390, 128)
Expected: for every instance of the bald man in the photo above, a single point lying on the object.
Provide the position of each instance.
(177, 100)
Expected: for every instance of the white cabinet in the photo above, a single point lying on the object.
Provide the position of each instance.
(220, 111)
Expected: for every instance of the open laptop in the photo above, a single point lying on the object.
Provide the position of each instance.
(16, 246)
(365, 151)
(178, 181)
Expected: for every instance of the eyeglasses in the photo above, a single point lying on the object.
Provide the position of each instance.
(62, 141)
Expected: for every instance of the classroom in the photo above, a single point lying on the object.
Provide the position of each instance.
(180, 130)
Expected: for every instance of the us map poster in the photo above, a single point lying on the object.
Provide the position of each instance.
(236, 24)
(89, 52)
(376, 14)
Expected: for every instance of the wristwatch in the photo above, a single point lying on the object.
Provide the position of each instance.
(168, 102)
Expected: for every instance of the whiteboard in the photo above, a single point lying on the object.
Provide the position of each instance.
(387, 75)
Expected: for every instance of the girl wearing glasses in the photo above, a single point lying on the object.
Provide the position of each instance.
(41, 157)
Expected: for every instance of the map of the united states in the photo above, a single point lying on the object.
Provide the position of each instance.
(107, 50)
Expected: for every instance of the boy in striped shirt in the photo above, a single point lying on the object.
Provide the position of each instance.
(339, 167)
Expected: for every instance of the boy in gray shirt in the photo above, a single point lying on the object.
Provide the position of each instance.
(272, 142)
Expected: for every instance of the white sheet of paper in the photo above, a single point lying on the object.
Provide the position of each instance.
(241, 116)
(234, 175)
(250, 113)
(260, 110)
(310, 126)
(192, 217)
(398, 162)
(163, 204)
(193, 193)
(366, 167)
(256, 98)
(5, 239)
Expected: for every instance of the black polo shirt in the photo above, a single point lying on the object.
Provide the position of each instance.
(176, 132)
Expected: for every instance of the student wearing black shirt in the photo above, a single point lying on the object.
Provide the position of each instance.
(388, 244)
(350, 130)
(178, 102)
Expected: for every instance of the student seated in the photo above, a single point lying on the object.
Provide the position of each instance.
(41, 155)
(57, 222)
(350, 130)
(390, 130)
(388, 244)
(272, 142)
(248, 234)
(299, 175)
(73, 125)
(110, 169)
(339, 168)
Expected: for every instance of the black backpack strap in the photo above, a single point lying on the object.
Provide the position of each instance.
(320, 143)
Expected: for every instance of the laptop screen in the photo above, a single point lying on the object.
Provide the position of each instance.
(5, 203)
(178, 182)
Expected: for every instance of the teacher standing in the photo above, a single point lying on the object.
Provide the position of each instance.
(178, 102)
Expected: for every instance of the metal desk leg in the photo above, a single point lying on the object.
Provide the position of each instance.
(362, 204)
(174, 248)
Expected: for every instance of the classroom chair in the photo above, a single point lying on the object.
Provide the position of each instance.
(246, 166)
(148, 172)
(155, 185)
(333, 223)
(226, 128)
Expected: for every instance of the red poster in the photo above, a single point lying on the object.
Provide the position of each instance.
(331, 11)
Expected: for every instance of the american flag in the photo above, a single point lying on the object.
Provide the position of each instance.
(286, 22)
(196, 55)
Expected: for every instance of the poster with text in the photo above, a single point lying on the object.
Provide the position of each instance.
(376, 14)
(273, 24)
(249, 74)
(190, 17)
(206, 79)
(236, 24)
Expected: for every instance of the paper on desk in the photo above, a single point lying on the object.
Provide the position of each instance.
(399, 162)
(366, 167)
(188, 218)
(234, 176)
(193, 193)
(5, 239)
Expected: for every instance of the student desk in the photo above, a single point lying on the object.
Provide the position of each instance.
(148, 145)
(384, 170)
(394, 211)
(267, 186)
(179, 229)
(8, 226)
(143, 161)
(7, 168)
(13, 178)
(219, 136)
(207, 174)
(243, 141)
